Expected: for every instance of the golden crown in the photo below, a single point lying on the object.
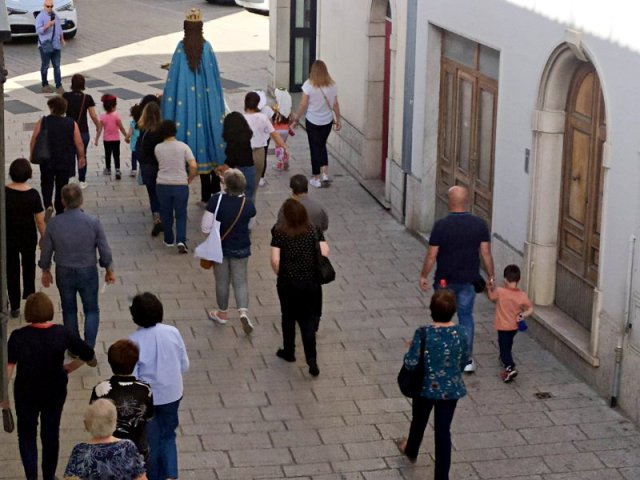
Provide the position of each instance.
(194, 15)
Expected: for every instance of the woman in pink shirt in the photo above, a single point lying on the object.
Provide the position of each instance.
(111, 124)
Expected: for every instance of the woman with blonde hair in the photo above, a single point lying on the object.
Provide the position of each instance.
(149, 126)
(320, 102)
(104, 456)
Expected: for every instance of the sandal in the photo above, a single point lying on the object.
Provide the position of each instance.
(217, 316)
(401, 443)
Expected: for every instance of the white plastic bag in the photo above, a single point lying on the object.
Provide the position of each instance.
(211, 248)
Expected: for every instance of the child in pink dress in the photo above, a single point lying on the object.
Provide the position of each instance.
(111, 124)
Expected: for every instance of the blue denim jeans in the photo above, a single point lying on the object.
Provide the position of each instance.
(54, 59)
(149, 177)
(250, 175)
(465, 297)
(161, 435)
(82, 172)
(84, 281)
(173, 202)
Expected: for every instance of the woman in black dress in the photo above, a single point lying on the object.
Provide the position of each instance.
(65, 143)
(294, 259)
(36, 352)
(24, 214)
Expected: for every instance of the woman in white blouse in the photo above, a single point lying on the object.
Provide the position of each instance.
(320, 102)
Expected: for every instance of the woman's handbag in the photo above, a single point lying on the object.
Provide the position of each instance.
(7, 420)
(410, 381)
(326, 272)
(210, 251)
(41, 153)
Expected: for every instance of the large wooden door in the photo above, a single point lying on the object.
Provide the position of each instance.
(466, 137)
(581, 198)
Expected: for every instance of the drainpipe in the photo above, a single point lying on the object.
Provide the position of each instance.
(618, 352)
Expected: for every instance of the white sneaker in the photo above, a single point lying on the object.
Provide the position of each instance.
(83, 185)
(262, 183)
(470, 367)
(247, 326)
(314, 182)
(325, 178)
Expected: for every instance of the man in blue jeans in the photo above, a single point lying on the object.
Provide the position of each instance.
(74, 236)
(50, 42)
(456, 243)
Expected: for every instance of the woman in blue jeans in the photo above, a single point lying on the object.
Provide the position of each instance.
(172, 184)
(445, 356)
(162, 362)
(234, 211)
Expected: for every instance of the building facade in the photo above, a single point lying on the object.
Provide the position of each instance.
(528, 104)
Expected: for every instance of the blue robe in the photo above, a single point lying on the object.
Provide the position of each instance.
(195, 102)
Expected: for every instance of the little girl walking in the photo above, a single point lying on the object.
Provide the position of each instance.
(281, 121)
(132, 136)
(112, 125)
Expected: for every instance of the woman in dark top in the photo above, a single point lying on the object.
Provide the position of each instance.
(149, 126)
(445, 356)
(24, 213)
(78, 105)
(237, 133)
(234, 211)
(64, 142)
(40, 389)
(294, 259)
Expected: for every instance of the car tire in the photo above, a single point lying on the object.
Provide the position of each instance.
(70, 35)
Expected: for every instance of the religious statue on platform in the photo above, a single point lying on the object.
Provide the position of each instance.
(193, 98)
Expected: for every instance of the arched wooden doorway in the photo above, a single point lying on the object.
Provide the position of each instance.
(581, 196)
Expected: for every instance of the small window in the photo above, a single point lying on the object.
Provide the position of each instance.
(460, 49)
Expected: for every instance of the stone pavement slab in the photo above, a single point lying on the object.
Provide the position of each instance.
(246, 414)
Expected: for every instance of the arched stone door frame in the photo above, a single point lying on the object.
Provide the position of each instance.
(549, 123)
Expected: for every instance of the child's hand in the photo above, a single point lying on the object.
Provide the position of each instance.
(96, 142)
(127, 139)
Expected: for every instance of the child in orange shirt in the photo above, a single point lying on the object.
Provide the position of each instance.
(512, 306)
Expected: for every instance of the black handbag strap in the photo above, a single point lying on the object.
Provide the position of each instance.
(423, 341)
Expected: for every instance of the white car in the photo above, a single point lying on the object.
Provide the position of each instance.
(22, 16)
(255, 6)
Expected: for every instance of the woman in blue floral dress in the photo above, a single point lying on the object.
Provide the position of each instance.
(445, 355)
(104, 456)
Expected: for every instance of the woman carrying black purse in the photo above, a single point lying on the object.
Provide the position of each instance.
(445, 355)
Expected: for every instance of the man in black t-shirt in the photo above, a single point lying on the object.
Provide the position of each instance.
(455, 242)
(132, 398)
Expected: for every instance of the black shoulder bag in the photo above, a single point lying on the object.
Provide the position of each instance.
(410, 381)
(41, 153)
(326, 272)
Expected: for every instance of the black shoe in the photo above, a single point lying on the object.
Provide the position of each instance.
(182, 247)
(314, 371)
(15, 313)
(157, 228)
(118, 174)
(289, 358)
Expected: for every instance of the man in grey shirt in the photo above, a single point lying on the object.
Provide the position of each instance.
(300, 191)
(73, 238)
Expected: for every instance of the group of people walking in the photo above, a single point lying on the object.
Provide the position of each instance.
(443, 351)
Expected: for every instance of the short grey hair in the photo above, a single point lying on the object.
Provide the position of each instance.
(235, 182)
(71, 196)
(100, 418)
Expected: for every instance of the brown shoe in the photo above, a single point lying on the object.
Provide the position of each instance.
(47, 89)
(60, 90)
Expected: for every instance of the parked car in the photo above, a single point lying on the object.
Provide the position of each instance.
(255, 6)
(223, 2)
(22, 17)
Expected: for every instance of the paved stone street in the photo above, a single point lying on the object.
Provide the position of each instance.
(247, 414)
